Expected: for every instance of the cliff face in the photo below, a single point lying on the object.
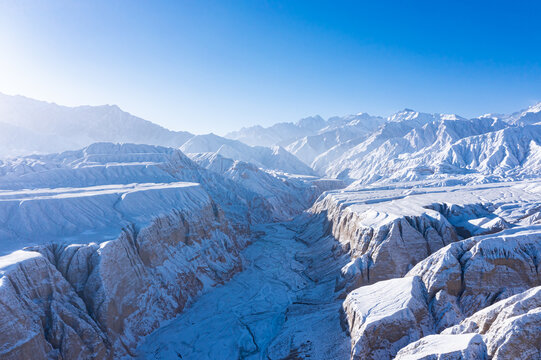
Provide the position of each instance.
(98, 300)
(464, 289)
(386, 316)
(472, 274)
(420, 290)
(381, 244)
(508, 329)
(43, 317)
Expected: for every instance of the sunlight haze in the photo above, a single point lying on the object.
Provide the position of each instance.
(215, 66)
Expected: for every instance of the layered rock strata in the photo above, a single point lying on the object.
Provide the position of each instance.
(96, 300)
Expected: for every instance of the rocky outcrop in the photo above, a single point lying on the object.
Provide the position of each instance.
(470, 275)
(42, 315)
(115, 292)
(382, 245)
(384, 317)
(469, 284)
(381, 231)
(510, 328)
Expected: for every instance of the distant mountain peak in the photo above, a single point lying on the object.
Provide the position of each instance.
(43, 127)
(534, 108)
(315, 122)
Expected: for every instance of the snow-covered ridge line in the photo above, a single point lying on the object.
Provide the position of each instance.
(30, 126)
(406, 146)
(274, 158)
(414, 146)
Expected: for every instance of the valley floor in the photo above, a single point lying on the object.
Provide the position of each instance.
(282, 305)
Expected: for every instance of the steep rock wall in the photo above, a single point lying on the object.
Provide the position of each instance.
(382, 246)
(117, 291)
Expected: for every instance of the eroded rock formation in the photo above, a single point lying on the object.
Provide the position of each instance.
(386, 316)
(455, 286)
(97, 301)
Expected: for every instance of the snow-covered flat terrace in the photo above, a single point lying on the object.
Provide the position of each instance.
(75, 192)
(89, 214)
(509, 200)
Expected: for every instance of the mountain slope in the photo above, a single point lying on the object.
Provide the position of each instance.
(276, 158)
(531, 115)
(278, 134)
(415, 149)
(278, 188)
(41, 127)
(337, 131)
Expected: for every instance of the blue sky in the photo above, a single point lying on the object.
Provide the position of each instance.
(214, 66)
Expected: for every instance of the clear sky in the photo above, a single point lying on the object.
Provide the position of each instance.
(214, 66)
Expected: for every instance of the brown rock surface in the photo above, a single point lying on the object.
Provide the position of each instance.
(386, 316)
(511, 328)
(42, 316)
(470, 275)
(126, 287)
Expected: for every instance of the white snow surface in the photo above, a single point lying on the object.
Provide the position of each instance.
(89, 214)
(464, 346)
(275, 158)
(7, 261)
(369, 305)
(508, 201)
(91, 194)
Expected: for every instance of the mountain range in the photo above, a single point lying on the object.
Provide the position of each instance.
(412, 236)
(406, 146)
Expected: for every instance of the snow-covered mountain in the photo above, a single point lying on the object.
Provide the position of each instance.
(278, 188)
(476, 150)
(278, 134)
(338, 130)
(211, 248)
(530, 116)
(31, 126)
(276, 158)
(406, 146)
(414, 146)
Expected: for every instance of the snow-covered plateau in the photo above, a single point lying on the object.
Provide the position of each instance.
(416, 236)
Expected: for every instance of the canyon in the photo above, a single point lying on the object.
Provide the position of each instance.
(416, 236)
